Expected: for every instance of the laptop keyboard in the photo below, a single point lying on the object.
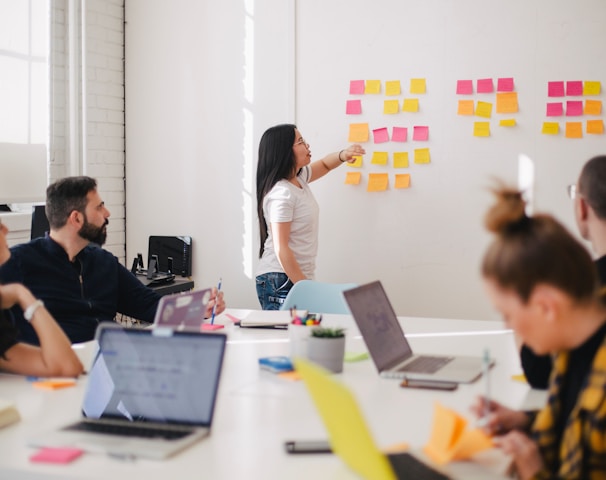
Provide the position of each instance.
(406, 466)
(129, 430)
(425, 364)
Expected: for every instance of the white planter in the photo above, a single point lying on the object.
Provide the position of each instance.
(327, 352)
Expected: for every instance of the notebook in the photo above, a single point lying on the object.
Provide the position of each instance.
(266, 319)
(389, 349)
(350, 437)
(183, 311)
(150, 393)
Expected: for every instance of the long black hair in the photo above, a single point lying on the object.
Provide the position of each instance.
(276, 161)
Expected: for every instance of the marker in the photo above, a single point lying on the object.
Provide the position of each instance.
(486, 365)
(212, 317)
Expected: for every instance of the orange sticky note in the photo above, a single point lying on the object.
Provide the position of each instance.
(293, 375)
(593, 107)
(373, 86)
(481, 129)
(54, 384)
(422, 155)
(402, 180)
(391, 106)
(484, 109)
(410, 105)
(392, 87)
(377, 182)
(400, 159)
(358, 132)
(353, 178)
(417, 85)
(379, 158)
(507, 102)
(465, 107)
(550, 128)
(574, 129)
(595, 126)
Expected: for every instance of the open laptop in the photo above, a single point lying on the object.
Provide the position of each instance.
(350, 437)
(183, 311)
(389, 349)
(150, 393)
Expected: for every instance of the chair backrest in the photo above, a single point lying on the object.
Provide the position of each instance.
(318, 297)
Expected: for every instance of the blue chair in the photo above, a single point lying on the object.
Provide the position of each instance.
(318, 297)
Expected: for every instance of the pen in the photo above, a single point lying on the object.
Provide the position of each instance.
(486, 384)
(212, 317)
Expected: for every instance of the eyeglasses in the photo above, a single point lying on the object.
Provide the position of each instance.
(301, 141)
(572, 190)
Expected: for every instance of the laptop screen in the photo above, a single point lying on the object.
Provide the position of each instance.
(155, 375)
(183, 310)
(378, 324)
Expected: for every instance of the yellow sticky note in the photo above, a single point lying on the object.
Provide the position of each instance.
(353, 178)
(481, 129)
(520, 377)
(400, 159)
(484, 109)
(465, 107)
(507, 102)
(402, 180)
(422, 155)
(550, 128)
(358, 132)
(595, 126)
(379, 158)
(372, 86)
(591, 88)
(377, 182)
(392, 87)
(410, 105)
(391, 106)
(357, 162)
(508, 122)
(593, 107)
(417, 85)
(574, 129)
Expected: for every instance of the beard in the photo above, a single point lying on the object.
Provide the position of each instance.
(93, 233)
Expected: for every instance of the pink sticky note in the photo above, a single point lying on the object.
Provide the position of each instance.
(574, 89)
(555, 109)
(574, 108)
(356, 87)
(464, 87)
(354, 107)
(485, 85)
(505, 84)
(55, 455)
(209, 327)
(381, 135)
(420, 133)
(399, 134)
(555, 89)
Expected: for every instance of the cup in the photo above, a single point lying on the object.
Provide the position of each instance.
(298, 336)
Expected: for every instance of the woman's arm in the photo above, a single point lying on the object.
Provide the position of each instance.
(321, 167)
(281, 235)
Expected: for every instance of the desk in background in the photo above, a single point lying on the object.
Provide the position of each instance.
(179, 284)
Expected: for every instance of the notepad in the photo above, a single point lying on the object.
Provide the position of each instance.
(266, 319)
(8, 413)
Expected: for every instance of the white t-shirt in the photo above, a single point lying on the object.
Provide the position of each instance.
(286, 202)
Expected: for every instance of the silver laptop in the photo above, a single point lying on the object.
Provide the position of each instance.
(150, 393)
(389, 349)
(183, 311)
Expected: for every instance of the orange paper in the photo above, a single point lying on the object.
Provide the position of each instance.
(574, 130)
(54, 384)
(402, 180)
(353, 178)
(358, 132)
(377, 182)
(595, 126)
(507, 102)
(465, 107)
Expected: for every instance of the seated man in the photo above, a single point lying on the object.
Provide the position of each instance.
(80, 283)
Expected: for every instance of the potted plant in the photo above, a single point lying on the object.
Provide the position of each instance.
(326, 347)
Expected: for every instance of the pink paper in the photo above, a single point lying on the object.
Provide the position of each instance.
(356, 87)
(399, 134)
(420, 133)
(55, 455)
(354, 107)
(464, 87)
(574, 108)
(381, 135)
(485, 85)
(555, 89)
(574, 89)
(555, 109)
(505, 84)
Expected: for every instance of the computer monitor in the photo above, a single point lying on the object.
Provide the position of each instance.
(167, 250)
(39, 222)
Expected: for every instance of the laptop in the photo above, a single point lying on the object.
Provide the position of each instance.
(350, 437)
(150, 393)
(183, 311)
(389, 349)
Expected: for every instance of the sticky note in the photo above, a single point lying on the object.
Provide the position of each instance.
(356, 87)
(555, 89)
(379, 158)
(574, 129)
(422, 156)
(392, 87)
(358, 132)
(591, 88)
(520, 377)
(417, 86)
(400, 159)
(353, 178)
(507, 102)
(507, 122)
(505, 84)
(377, 182)
(402, 180)
(353, 107)
(484, 109)
(56, 455)
(380, 135)
(391, 106)
(550, 128)
(209, 327)
(54, 384)
(464, 87)
(574, 88)
(465, 107)
(357, 161)
(593, 107)
(485, 85)
(399, 134)
(373, 86)
(420, 133)
(574, 108)
(410, 105)
(355, 356)
(481, 129)
(293, 376)
(555, 109)
(595, 126)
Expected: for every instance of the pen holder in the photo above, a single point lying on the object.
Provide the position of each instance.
(299, 336)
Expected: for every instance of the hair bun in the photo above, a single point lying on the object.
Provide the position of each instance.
(508, 213)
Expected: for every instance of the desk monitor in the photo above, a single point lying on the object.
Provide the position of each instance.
(166, 248)
(39, 222)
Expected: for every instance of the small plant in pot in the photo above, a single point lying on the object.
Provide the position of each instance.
(326, 347)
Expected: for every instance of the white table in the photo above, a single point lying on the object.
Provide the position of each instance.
(257, 411)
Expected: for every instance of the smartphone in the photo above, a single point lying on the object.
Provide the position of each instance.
(429, 384)
(307, 446)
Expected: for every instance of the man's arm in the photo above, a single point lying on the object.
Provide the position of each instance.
(135, 299)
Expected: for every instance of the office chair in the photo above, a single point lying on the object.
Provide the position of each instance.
(318, 297)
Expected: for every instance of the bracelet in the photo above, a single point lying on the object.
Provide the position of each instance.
(340, 156)
(31, 310)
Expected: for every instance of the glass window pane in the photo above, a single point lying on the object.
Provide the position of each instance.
(14, 101)
(14, 26)
(40, 26)
(39, 105)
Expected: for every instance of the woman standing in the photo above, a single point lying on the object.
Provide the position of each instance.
(288, 212)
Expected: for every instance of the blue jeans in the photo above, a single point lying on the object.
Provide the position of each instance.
(272, 289)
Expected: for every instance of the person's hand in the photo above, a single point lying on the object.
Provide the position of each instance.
(15, 293)
(348, 154)
(216, 298)
(499, 419)
(524, 452)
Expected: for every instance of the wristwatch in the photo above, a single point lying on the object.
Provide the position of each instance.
(29, 311)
